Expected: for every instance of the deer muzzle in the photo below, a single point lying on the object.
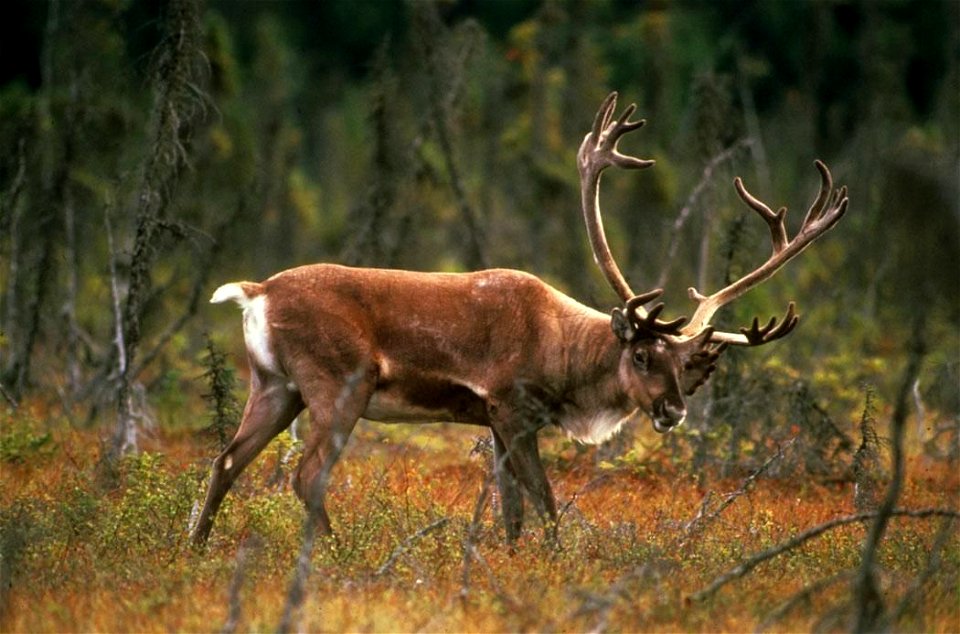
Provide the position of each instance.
(667, 415)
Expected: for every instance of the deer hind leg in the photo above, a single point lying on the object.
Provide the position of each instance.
(334, 408)
(511, 499)
(270, 409)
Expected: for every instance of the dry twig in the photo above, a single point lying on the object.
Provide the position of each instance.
(405, 545)
(702, 518)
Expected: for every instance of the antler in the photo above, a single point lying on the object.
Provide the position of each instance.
(825, 212)
(598, 152)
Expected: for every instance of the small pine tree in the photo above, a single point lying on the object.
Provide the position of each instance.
(867, 470)
(221, 379)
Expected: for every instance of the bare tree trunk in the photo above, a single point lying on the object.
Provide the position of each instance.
(177, 109)
(446, 66)
(72, 264)
(868, 605)
(33, 253)
(10, 217)
(368, 247)
(126, 436)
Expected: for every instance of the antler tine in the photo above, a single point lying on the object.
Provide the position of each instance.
(826, 210)
(620, 127)
(776, 221)
(648, 320)
(826, 186)
(604, 115)
(758, 336)
(637, 301)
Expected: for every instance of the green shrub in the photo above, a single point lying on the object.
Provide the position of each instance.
(151, 515)
(20, 441)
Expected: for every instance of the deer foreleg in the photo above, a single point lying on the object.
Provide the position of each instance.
(511, 499)
(523, 454)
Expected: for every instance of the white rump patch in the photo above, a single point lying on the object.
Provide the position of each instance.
(596, 429)
(256, 333)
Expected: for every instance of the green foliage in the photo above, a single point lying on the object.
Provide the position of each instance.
(150, 516)
(21, 445)
(313, 148)
(20, 439)
(18, 529)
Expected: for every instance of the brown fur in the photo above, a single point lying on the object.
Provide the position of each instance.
(483, 348)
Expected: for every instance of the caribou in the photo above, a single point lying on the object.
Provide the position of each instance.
(478, 348)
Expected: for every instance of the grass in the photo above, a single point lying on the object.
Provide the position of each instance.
(81, 556)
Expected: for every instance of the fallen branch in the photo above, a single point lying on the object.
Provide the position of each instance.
(933, 564)
(601, 605)
(697, 524)
(744, 568)
(405, 545)
(803, 596)
(9, 397)
(498, 590)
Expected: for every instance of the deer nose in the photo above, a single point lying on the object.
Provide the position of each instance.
(667, 415)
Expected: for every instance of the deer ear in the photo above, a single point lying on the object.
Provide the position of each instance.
(621, 326)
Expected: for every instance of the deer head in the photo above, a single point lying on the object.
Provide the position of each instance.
(664, 360)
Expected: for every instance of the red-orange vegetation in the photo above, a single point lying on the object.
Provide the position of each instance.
(90, 555)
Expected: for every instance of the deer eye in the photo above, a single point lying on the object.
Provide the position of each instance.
(641, 359)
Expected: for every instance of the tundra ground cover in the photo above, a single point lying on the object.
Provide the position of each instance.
(639, 538)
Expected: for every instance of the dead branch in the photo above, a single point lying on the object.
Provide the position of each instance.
(297, 592)
(178, 109)
(705, 178)
(249, 545)
(498, 590)
(802, 597)
(933, 564)
(469, 541)
(602, 604)
(571, 503)
(9, 397)
(445, 67)
(744, 567)
(409, 541)
(702, 518)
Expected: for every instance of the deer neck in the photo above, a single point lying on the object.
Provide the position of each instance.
(594, 404)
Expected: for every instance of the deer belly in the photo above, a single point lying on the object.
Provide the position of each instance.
(425, 401)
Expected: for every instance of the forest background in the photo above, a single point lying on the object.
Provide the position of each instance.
(154, 150)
